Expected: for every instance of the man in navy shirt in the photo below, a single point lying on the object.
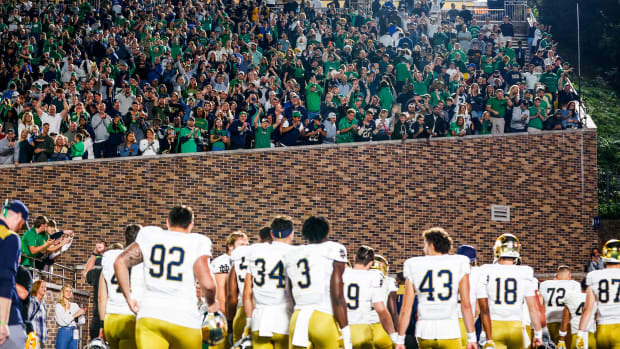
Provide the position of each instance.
(12, 332)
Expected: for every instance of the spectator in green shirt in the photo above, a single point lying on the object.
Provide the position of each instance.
(537, 117)
(35, 243)
(189, 137)
(77, 149)
(551, 80)
(346, 128)
(496, 106)
(313, 98)
(262, 135)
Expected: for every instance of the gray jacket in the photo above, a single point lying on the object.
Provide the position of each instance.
(100, 126)
(8, 154)
(517, 118)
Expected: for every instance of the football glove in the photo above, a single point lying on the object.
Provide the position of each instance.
(561, 345)
(489, 345)
(580, 342)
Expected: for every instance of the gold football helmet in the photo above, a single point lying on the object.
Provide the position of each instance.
(381, 264)
(611, 251)
(507, 245)
(214, 328)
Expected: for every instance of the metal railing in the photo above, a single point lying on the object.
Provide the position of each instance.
(65, 275)
(516, 10)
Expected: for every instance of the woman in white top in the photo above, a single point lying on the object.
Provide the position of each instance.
(25, 123)
(66, 315)
(149, 145)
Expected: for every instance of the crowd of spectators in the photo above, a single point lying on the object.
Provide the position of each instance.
(179, 76)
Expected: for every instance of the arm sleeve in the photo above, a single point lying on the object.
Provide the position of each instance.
(63, 317)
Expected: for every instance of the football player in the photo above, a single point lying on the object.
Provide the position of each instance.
(475, 289)
(235, 284)
(554, 293)
(315, 273)
(266, 295)
(363, 292)
(575, 303)
(389, 289)
(119, 320)
(221, 267)
(173, 260)
(506, 287)
(438, 279)
(604, 292)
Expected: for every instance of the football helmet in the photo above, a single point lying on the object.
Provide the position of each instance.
(381, 264)
(243, 343)
(214, 328)
(97, 343)
(611, 251)
(507, 245)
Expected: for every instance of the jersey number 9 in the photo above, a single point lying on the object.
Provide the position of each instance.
(158, 258)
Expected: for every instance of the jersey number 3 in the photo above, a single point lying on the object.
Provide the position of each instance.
(176, 256)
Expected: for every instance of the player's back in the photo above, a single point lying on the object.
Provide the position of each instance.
(116, 301)
(388, 285)
(221, 264)
(310, 269)
(606, 287)
(361, 289)
(238, 259)
(270, 286)
(169, 258)
(575, 302)
(506, 287)
(554, 293)
(436, 281)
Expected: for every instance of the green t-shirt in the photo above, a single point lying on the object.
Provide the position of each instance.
(219, 145)
(402, 72)
(346, 137)
(550, 80)
(263, 137)
(536, 122)
(499, 106)
(190, 146)
(31, 238)
(203, 125)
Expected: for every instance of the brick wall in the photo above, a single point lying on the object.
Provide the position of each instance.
(380, 194)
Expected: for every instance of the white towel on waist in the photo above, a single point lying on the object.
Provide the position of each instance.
(300, 337)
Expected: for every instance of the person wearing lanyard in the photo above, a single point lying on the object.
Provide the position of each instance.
(66, 314)
(12, 332)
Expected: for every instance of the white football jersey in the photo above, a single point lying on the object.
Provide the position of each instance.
(554, 293)
(221, 264)
(436, 282)
(238, 259)
(606, 287)
(169, 258)
(265, 264)
(116, 301)
(362, 288)
(476, 290)
(388, 286)
(309, 267)
(575, 302)
(506, 287)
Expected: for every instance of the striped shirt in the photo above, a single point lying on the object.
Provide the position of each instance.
(37, 314)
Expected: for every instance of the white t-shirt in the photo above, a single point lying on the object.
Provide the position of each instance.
(310, 269)
(53, 121)
(506, 287)
(606, 287)
(362, 288)
(436, 282)
(169, 258)
(554, 293)
(116, 301)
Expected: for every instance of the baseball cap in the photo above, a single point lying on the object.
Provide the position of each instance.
(331, 115)
(18, 207)
(467, 251)
(296, 114)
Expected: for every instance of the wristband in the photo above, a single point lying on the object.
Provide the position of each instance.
(248, 322)
(582, 334)
(400, 339)
(346, 334)
(3, 323)
(563, 333)
(471, 337)
(394, 337)
(538, 334)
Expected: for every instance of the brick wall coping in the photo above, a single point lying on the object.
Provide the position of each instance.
(317, 146)
(56, 288)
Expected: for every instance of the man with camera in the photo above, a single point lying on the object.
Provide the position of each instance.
(8, 149)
